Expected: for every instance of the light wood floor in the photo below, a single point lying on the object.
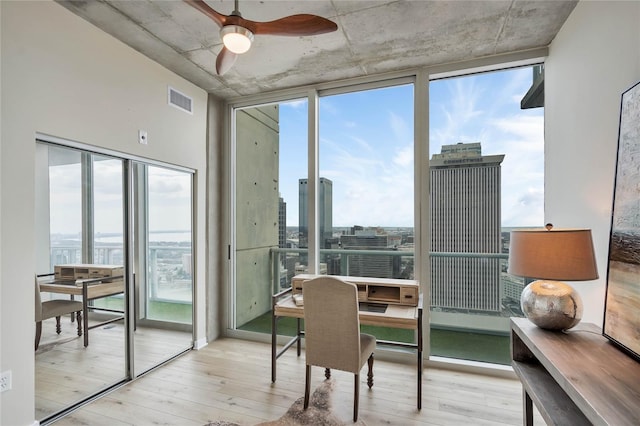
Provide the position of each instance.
(66, 372)
(230, 380)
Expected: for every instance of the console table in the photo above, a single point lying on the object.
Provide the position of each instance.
(576, 377)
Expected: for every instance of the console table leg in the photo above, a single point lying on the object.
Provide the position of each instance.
(299, 334)
(419, 360)
(528, 409)
(274, 341)
(85, 312)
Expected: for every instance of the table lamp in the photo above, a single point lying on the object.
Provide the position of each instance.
(549, 255)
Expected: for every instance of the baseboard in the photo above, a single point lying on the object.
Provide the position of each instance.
(200, 343)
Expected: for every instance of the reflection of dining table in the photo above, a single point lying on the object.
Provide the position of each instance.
(89, 289)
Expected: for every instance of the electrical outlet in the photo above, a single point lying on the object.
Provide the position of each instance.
(5, 381)
(142, 137)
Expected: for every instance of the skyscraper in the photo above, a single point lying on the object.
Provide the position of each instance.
(368, 265)
(325, 211)
(465, 218)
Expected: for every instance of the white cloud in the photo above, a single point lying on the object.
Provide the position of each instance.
(404, 157)
(524, 209)
(492, 116)
(399, 127)
(296, 104)
(370, 189)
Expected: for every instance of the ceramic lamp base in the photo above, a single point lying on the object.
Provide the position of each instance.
(552, 305)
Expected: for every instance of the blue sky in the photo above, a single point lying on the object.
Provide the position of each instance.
(366, 149)
(366, 146)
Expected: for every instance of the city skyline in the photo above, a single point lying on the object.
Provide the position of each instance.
(366, 146)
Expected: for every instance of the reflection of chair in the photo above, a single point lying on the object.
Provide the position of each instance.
(332, 332)
(55, 308)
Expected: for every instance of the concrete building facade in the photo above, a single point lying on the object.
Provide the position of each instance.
(325, 212)
(465, 218)
(369, 265)
(257, 208)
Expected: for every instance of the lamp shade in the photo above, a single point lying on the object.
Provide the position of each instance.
(553, 254)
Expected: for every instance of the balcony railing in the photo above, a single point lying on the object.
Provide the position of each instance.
(345, 255)
(169, 273)
(470, 333)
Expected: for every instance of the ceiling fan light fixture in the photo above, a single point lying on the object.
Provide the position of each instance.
(237, 39)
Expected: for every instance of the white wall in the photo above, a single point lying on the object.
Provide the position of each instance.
(63, 77)
(593, 59)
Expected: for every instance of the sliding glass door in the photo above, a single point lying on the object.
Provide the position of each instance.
(79, 220)
(86, 202)
(163, 264)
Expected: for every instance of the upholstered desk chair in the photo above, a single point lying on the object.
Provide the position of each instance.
(55, 308)
(332, 333)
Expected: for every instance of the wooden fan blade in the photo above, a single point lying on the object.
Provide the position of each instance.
(218, 18)
(225, 61)
(295, 25)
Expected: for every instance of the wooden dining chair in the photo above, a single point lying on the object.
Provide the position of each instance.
(55, 308)
(332, 333)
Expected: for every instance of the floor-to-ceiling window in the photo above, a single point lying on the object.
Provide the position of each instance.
(366, 186)
(486, 168)
(107, 224)
(366, 166)
(483, 175)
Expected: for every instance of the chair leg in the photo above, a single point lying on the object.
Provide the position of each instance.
(58, 328)
(307, 386)
(38, 333)
(327, 373)
(370, 373)
(79, 321)
(356, 396)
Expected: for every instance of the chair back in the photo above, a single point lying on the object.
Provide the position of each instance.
(332, 325)
(38, 300)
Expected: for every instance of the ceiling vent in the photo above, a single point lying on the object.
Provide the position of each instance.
(180, 100)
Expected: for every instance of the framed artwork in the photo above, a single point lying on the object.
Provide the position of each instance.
(622, 304)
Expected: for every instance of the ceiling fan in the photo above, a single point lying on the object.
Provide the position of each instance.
(237, 33)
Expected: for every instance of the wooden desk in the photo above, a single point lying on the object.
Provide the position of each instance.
(89, 289)
(574, 378)
(395, 316)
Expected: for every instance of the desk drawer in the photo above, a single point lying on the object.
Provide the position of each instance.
(409, 296)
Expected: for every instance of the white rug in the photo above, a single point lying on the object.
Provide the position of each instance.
(318, 414)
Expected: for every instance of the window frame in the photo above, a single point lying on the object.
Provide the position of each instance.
(421, 78)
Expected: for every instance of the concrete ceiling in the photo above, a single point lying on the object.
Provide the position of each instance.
(373, 37)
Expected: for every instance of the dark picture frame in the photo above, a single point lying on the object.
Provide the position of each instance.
(622, 304)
